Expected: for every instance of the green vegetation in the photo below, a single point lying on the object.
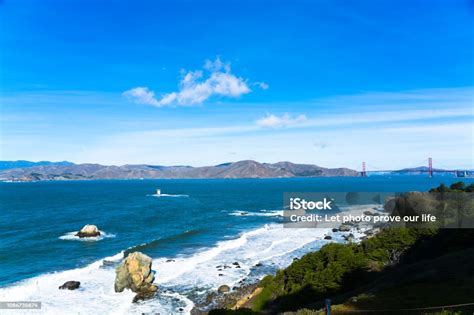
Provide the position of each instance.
(398, 268)
(335, 269)
(453, 206)
(456, 187)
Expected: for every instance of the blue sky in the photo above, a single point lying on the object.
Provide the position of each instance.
(332, 83)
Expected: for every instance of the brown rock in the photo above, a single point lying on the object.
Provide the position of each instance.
(223, 289)
(88, 230)
(135, 273)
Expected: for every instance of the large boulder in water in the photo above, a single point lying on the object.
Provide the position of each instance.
(88, 230)
(135, 273)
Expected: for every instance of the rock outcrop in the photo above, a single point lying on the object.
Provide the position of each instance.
(216, 300)
(223, 289)
(135, 273)
(344, 228)
(70, 285)
(88, 230)
(349, 237)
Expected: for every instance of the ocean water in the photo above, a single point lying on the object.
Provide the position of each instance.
(197, 226)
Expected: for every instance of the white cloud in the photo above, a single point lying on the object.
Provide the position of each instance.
(196, 87)
(216, 65)
(273, 121)
(142, 95)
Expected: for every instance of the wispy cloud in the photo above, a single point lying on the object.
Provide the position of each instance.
(195, 87)
(142, 95)
(362, 118)
(285, 120)
(262, 85)
(388, 130)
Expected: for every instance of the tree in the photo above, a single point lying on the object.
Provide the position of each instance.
(458, 186)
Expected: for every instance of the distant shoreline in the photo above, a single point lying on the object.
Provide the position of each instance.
(12, 171)
(184, 179)
(240, 169)
(192, 179)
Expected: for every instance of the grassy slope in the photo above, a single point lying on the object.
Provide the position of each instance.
(444, 280)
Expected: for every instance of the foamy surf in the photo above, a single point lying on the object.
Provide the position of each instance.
(167, 195)
(71, 236)
(263, 213)
(271, 246)
(181, 280)
(95, 295)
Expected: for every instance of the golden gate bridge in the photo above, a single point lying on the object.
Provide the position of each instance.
(428, 169)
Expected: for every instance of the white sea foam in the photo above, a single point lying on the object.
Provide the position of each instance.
(193, 275)
(95, 295)
(262, 213)
(167, 195)
(270, 244)
(71, 236)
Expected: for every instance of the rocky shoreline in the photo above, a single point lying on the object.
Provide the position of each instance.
(135, 272)
(229, 300)
(240, 295)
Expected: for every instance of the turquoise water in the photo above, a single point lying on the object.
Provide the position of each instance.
(200, 218)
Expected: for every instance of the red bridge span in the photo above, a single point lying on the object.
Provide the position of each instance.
(428, 169)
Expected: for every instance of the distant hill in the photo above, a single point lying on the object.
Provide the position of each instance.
(241, 169)
(5, 165)
(418, 170)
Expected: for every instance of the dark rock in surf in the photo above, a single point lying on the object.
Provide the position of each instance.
(143, 295)
(344, 228)
(328, 237)
(70, 285)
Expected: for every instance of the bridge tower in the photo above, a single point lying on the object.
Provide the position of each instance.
(364, 171)
(430, 167)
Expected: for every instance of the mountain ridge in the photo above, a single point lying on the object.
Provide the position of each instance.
(4, 165)
(239, 169)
